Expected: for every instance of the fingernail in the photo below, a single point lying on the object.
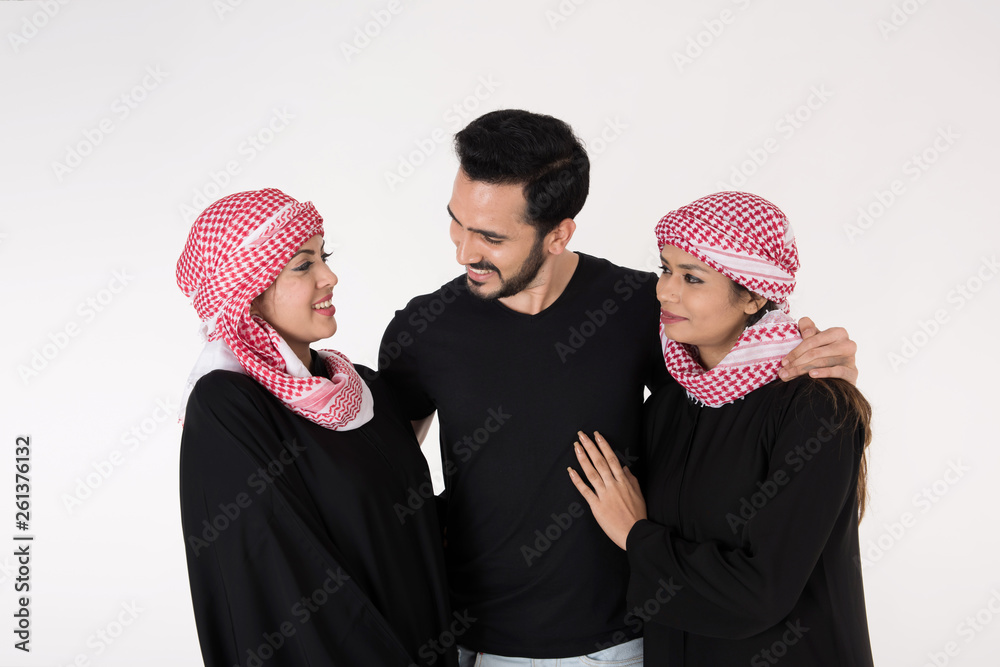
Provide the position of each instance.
(782, 373)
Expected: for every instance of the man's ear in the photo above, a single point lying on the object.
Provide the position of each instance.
(560, 236)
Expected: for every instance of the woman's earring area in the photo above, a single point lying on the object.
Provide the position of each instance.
(254, 308)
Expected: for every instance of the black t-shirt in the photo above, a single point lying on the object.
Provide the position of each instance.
(750, 552)
(298, 547)
(525, 556)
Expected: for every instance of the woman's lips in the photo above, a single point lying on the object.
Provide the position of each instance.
(666, 317)
(326, 311)
(329, 310)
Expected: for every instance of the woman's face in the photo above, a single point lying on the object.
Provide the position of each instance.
(697, 305)
(298, 303)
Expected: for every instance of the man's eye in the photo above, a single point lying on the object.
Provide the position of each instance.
(492, 241)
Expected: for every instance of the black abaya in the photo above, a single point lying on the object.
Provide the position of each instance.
(304, 545)
(750, 550)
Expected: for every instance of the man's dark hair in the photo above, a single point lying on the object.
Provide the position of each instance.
(515, 147)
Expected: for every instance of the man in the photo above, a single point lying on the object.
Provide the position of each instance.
(532, 344)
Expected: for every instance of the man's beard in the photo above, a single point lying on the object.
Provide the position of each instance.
(516, 283)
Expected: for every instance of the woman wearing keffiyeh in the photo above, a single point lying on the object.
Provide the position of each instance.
(298, 473)
(745, 547)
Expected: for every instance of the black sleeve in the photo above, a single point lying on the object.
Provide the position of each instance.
(265, 578)
(730, 593)
(398, 365)
(390, 397)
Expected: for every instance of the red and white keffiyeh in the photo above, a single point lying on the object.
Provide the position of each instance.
(235, 250)
(748, 239)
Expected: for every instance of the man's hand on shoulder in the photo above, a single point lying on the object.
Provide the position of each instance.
(821, 354)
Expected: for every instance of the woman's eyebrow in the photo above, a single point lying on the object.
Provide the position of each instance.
(688, 267)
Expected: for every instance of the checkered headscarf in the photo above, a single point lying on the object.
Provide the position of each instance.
(749, 240)
(235, 250)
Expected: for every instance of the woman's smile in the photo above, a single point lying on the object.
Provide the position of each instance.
(666, 317)
(325, 306)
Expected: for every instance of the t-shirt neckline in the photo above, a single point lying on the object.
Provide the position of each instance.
(583, 267)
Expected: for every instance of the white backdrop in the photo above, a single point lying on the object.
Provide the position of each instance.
(872, 123)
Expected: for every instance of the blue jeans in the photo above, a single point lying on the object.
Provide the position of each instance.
(628, 654)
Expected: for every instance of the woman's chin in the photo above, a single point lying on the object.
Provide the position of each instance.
(322, 333)
(671, 332)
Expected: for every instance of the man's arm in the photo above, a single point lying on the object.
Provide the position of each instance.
(822, 354)
(399, 367)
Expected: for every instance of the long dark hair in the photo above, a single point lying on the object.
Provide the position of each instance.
(851, 409)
